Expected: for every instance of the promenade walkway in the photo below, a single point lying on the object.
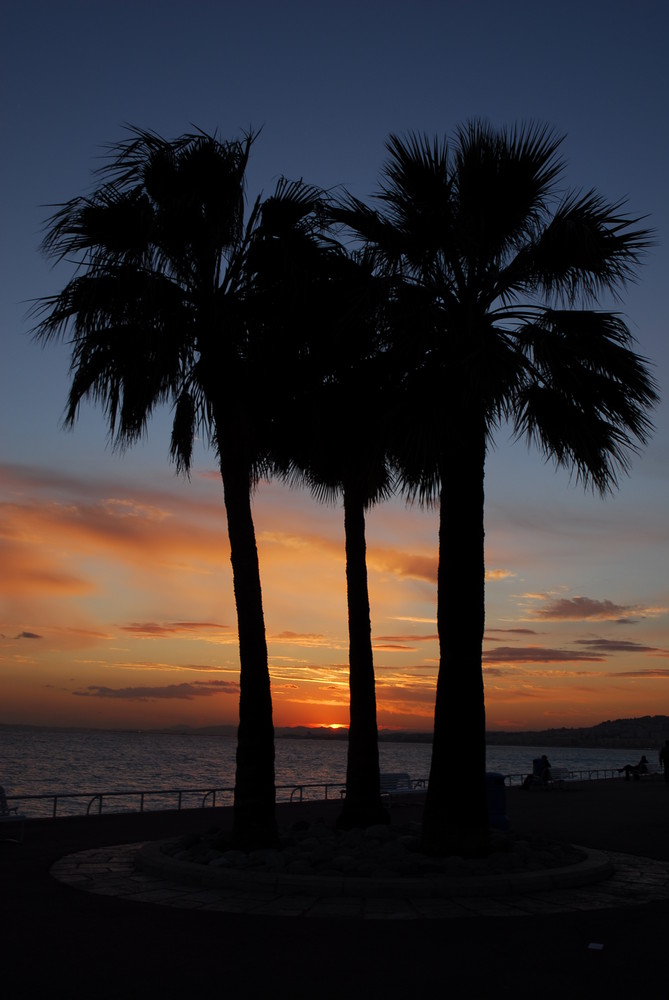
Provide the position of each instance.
(112, 871)
(153, 938)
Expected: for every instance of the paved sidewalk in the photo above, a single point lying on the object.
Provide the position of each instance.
(607, 940)
(112, 872)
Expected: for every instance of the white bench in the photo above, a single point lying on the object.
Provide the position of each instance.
(399, 783)
(11, 815)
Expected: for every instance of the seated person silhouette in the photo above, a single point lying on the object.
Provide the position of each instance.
(541, 772)
(545, 770)
(635, 770)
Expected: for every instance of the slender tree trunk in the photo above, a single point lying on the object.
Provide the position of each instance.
(362, 806)
(254, 823)
(455, 819)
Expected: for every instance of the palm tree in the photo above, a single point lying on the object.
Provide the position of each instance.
(334, 434)
(499, 288)
(169, 305)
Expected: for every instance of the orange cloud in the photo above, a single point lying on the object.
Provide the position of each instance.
(653, 674)
(153, 630)
(536, 654)
(408, 638)
(61, 637)
(587, 609)
(141, 666)
(184, 692)
(28, 569)
(511, 631)
(308, 639)
(403, 564)
(618, 646)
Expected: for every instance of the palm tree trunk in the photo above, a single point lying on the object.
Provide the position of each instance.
(254, 823)
(455, 819)
(362, 806)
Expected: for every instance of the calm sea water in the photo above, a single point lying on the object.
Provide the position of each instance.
(59, 761)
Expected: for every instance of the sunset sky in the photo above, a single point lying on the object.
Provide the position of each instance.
(116, 605)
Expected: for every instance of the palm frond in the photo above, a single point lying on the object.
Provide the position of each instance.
(587, 404)
(575, 436)
(417, 178)
(503, 183)
(184, 424)
(588, 248)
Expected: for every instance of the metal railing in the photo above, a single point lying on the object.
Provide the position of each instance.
(588, 774)
(155, 799)
(298, 791)
(147, 800)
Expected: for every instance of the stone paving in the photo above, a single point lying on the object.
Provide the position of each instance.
(112, 871)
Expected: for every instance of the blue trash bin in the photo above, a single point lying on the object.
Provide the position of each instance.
(496, 796)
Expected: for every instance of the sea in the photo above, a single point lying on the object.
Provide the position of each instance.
(110, 771)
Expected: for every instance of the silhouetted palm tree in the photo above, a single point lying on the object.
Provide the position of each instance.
(503, 278)
(335, 439)
(169, 304)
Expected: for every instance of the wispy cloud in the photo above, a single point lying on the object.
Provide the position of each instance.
(181, 692)
(401, 643)
(431, 637)
(508, 631)
(141, 666)
(411, 618)
(417, 566)
(403, 564)
(123, 508)
(336, 674)
(492, 575)
(62, 637)
(389, 647)
(308, 639)
(159, 630)
(28, 568)
(587, 609)
(657, 673)
(537, 654)
(618, 646)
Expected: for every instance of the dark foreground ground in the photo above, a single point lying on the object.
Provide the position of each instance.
(58, 940)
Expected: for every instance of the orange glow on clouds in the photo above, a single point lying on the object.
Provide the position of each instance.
(116, 609)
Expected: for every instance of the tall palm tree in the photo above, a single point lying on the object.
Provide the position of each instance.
(334, 433)
(169, 305)
(502, 280)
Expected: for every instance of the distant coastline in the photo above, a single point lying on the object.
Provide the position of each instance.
(646, 732)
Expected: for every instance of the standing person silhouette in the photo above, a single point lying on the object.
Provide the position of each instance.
(664, 759)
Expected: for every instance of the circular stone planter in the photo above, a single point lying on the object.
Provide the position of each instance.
(595, 867)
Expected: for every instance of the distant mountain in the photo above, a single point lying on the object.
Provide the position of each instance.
(648, 731)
